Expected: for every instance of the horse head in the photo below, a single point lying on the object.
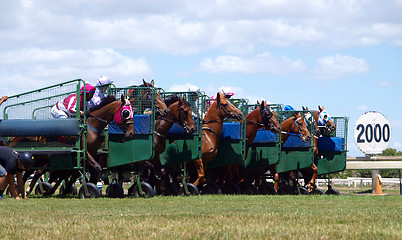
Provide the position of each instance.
(268, 118)
(222, 104)
(124, 117)
(185, 115)
(309, 118)
(180, 112)
(297, 125)
(325, 121)
(160, 106)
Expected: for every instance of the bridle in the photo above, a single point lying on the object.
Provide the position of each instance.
(265, 119)
(181, 120)
(122, 118)
(204, 122)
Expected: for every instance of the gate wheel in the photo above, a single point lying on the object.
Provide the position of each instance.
(93, 191)
(45, 188)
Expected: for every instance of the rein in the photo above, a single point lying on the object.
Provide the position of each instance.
(298, 129)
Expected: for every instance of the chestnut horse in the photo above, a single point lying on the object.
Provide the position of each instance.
(212, 128)
(98, 117)
(293, 125)
(261, 117)
(179, 111)
(322, 120)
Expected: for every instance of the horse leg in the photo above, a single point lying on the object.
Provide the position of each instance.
(37, 175)
(198, 164)
(70, 181)
(311, 184)
(95, 169)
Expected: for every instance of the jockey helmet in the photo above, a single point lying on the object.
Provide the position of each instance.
(102, 80)
(27, 160)
(88, 88)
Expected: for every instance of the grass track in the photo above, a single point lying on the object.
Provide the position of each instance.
(204, 217)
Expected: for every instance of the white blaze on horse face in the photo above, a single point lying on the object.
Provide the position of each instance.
(323, 118)
(308, 118)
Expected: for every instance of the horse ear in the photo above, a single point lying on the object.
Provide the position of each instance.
(258, 102)
(304, 109)
(145, 83)
(294, 114)
(122, 99)
(320, 108)
(262, 104)
(180, 101)
(218, 99)
(152, 83)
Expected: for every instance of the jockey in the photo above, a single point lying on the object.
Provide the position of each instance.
(100, 92)
(67, 107)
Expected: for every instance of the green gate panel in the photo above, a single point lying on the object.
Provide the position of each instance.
(62, 161)
(262, 156)
(229, 152)
(331, 162)
(136, 150)
(181, 151)
(295, 160)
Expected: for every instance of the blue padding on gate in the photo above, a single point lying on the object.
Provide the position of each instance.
(141, 125)
(295, 142)
(330, 144)
(42, 127)
(265, 136)
(176, 130)
(231, 131)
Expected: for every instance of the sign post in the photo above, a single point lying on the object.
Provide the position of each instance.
(372, 134)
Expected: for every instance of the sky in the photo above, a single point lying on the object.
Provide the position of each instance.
(345, 55)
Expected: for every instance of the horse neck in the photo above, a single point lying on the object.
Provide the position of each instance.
(162, 127)
(251, 128)
(287, 126)
(105, 113)
(213, 114)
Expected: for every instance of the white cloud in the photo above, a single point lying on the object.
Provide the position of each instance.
(385, 83)
(332, 67)
(362, 108)
(183, 87)
(38, 68)
(264, 63)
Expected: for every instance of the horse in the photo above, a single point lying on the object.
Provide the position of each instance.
(98, 117)
(179, 111)
(212, 128)
(144, 98)
(260, 117)
(293, 125)
(322, 120)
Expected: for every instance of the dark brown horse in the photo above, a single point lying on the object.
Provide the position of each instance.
(144, 97)
(179, 111)
(212, 128)
(261, 117)
(322, 124)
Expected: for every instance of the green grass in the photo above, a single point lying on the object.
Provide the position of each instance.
(204, 217)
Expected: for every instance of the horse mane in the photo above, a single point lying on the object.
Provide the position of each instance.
(105, 101)
(174, 98)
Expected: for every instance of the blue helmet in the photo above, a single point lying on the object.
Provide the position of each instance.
(288, 107)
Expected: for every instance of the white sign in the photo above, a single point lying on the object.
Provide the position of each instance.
(372, 133)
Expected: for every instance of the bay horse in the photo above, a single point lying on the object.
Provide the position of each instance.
(144, 98)
(179, 111)
(293, 125)
(212, 128)
(260, 117)
(324, 125)
(98, 117)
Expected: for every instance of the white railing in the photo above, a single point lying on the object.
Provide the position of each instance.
(356, 182)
